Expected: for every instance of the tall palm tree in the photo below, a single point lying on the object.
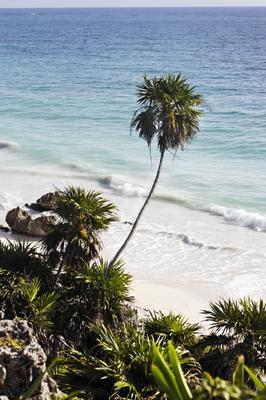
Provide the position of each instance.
(169, 113)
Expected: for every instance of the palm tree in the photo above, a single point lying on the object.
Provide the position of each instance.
(239, 327)
(108, 288)
(169, 113)
(82, 217)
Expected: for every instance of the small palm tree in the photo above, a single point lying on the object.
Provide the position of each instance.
(82, 217)
(169, 113)
(23, 258)
(239, 328)
(108, 287)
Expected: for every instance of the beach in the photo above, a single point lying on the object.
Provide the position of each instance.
(177, 260)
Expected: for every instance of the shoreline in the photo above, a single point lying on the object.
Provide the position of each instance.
(189, 256)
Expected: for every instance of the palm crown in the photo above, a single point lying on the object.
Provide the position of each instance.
(169, 111)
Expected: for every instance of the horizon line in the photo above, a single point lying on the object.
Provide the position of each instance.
(124, 7)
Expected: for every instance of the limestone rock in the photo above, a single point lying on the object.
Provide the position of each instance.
(21, 222)
(22, 361)
(44, 203)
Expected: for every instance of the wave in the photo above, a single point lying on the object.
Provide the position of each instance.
(8, 200)
(186, 239)
(4, 144)
(122, 188)
(131, 190)
(235, 216)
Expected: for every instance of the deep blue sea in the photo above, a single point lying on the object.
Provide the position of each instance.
(67, 94)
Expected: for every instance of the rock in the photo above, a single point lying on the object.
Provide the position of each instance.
(22, 361)
(21, 222)
(44, 203)
(4, 229)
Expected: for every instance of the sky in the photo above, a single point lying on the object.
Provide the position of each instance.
(127, 3)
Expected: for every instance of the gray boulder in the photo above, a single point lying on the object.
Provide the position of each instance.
(44, 203)
(21, 222)
(22, 361)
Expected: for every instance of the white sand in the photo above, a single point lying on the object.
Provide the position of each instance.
(187, 300)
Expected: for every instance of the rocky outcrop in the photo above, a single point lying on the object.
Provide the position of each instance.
(22, 361)
(44, 203)
(21, 222)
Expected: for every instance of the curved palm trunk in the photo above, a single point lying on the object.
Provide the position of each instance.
(141, 211)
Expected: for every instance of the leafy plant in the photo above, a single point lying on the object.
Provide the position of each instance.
(168, 374)
(23, 258)
(125, 358)
(239, 328)
(171, 327)
(82, 217)
(109, 287)
(40, 306)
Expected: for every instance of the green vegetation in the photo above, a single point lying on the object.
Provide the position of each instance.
(167, 372)
(84, 317)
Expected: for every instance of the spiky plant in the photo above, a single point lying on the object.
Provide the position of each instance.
(169, 376)
(125, 358)
(21, 257)
(83, 216)
(171, 326)
(239, 327)
(40, 307)
(109, 287)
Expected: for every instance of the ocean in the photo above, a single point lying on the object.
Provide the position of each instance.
(68, 92)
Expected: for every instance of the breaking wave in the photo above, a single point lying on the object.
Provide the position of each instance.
(235, 216)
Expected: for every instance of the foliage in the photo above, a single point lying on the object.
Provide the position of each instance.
(126, 356)
(23, 258)
(109, 286)
(22, 297)
(239, 328)
(40, 306)
(171, 327)
(170, 378)
(168, 112)
(82, 217)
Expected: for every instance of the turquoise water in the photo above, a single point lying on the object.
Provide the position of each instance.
(67, 90)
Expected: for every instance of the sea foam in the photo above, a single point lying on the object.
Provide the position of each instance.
(240, 217)
(234, 216)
